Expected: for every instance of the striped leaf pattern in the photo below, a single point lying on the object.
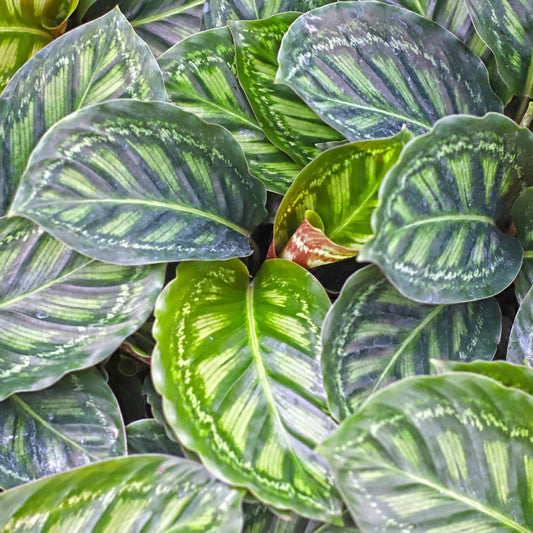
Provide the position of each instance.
(366, 70)
(73, 423)
(155, 493)
(373, 336)
(134, 182)
(201, 77)
(238, 367)
(436, 236)
(98, 61)
(149, 436)
(286, 120)
(520, 348)
(522, 214)
(434, 454)
(507, 28)
(61, 311)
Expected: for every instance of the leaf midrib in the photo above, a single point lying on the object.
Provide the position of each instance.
(26, 29)
(447, 218)
(164, 14)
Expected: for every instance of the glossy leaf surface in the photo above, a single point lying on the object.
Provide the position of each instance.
(438, 453)
(366, 70)
(149, 436)
(61, 311)
(436, 234)
(98, 61)
(142, 182)
(201, 77)
(520, 348)
(286, 120)
(73, 423)
(373, 336)
(522, 213)
(158, 492)
(238, 367)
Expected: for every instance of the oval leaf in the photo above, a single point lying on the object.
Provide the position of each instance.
(73, 423)
(61, 311)
(520, 349)
(156, 492)
(369, 68)
(149, 436)
(135, 182)
(238, 367)
(451, 453)
(436, 235)
(522, 213)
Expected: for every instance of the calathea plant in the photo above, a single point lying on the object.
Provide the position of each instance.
(158, 374)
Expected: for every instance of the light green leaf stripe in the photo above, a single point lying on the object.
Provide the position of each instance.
(149, 436)
(237, 364)
(75, 422)
(522, 214)
(520, 348)
(134, 182)
(507, 28)
(373, 336)
(98, 61)
(435, 454)
(201, 77)
(61, 311)
(365, 70)
(435, 229)
(286, 120)
(155, 493)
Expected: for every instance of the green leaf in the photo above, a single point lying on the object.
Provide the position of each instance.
(149, 436)
(238, 367)
(520, 348)
(136, 182)
(436, 234)
(99, 61)
(507, 28)
(73, 423)
(522, 214)
(201, 77)
(154, 493)
(26, 27)
(368, 69)
(341, 187)
(373, 336)
(61, 311)
(286, 120)
(448, 453)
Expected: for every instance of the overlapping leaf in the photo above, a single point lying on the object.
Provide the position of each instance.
(136, 182)
(201, 77)
(99, 61)
(73, 423)
(373, 336)
(61, 311)
(155, 493)
(448, 453)
(149, 436)
(369, 68)
(522, 213)
(238, 367)
(520, 348)
(436, 234)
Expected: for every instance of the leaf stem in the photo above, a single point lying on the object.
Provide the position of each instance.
(527, 119)
(522, 110)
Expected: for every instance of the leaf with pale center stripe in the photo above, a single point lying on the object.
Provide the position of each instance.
(286, 120)
(99, 61)
(507, 28)
(201, 77)
(373, 336)
(149, 436)
(134, 182)
(520, 348)
(522, 214)
(155, 493)
(238, 366)
(61, 311)
(434, 454)
(368, 69)
(436, 233)
(73, 423)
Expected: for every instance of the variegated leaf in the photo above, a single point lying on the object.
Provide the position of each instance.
(520, 348)
(134, 182)
(341, 187)
(201, 77)
(73, 423)
(155, 493)
(373, 336)
(238, 366)
(369, 68)
(522, 213)
(149, 436)
(99, 61)
(507, 28)
(287, 121)
(61, 311)
(436, 233)
(433, 454)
